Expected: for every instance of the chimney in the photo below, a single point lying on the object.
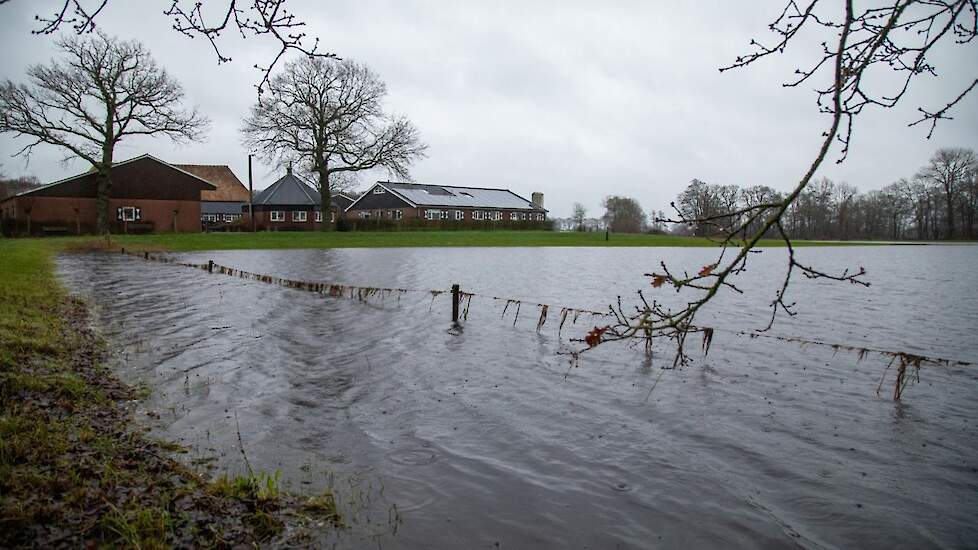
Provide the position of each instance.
(537, 199)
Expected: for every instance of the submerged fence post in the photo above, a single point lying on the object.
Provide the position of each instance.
(455, 295)
(210, 266)
(145, 255)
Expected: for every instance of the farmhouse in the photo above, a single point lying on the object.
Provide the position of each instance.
(147, 195)
(291, 204)
(222, 205)
(396, 201)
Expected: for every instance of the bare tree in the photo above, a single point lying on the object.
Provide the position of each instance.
(710, 205)
(256, 18)
(580, 213)
(899, 37)
(104, 91)
(623, 214)
(328, 116)
(948, 170)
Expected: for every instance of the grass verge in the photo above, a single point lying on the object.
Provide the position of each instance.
(72, 471)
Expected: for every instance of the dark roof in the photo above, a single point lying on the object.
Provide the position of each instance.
(221, 207)
(341, 201)
(83, 184)
(229, 187)
(418, 194)
(290, 190)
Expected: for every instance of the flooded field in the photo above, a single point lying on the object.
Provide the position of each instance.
(489, 437)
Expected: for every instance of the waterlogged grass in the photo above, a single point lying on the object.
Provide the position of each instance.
(72, 473)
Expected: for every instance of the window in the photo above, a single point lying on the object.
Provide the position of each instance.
(459, 215)
(299, 216)
(436, 214)
(276, 216)
(319, 216)
(514, 216)
(332, 217)
(398, 214)
(129, 213)
(477, 214)
(378, 190)
(365, 215)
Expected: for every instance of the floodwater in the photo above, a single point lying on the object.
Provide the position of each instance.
(490, 437)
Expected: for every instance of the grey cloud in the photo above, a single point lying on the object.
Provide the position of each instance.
(578, 100)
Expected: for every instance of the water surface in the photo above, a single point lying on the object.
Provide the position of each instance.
(492, 437)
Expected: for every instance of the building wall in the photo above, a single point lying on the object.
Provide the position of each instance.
(263, 220)
(78, 214)
(419, 213)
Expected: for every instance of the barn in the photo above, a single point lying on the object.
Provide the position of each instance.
(223, 205)
(397, 201)
(291, 204)
(147, 195)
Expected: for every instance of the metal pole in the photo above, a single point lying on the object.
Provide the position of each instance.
(455, 294)
(251, 197)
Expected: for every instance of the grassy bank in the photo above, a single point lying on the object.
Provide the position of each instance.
(379, 239)
(73, 472)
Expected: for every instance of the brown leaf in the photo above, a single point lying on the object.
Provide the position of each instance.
(707, 269)
(658, 281)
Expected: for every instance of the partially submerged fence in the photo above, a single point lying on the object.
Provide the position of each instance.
(908, 364)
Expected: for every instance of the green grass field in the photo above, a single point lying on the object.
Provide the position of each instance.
(381, 239)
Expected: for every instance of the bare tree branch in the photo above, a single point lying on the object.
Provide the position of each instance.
(898, 38)
(250, 18)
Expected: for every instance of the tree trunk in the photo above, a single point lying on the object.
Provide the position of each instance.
(325, 202)
(949, 199)
(103, 177)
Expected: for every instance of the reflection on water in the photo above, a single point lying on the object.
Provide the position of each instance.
(489, 436)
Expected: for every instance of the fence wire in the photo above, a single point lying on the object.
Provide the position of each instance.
(908, 364)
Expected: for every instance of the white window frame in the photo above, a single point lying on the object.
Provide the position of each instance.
(299, 216)
(128, 213)
(276, 216)
(398, 214)
(364, 215)
(459, 215)
(514, 216)
(477, 214)
(332, 217)
(378, 190)
(319, 216)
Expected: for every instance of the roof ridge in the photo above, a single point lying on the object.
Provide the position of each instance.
(449, 186)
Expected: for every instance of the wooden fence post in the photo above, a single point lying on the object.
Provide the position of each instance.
(455, 296)
(145, 255)
(210, 266)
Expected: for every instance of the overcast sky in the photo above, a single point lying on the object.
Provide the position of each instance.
(578, 100)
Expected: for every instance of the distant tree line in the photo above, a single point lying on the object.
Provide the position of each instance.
(11, 186)
(940, 201)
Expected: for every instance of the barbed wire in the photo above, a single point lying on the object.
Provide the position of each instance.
(908, 364)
